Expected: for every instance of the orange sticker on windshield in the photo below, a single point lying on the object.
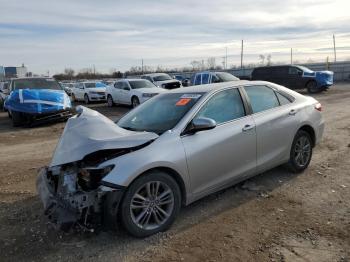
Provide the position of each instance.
(183, 101)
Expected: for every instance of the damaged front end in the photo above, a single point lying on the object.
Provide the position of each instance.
(72, 188)
(75, 196)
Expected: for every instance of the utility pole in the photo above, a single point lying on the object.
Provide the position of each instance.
(226, 59)
(291, 56)
(142, 65)
(94, 69)
(335, 52)
(242, 55)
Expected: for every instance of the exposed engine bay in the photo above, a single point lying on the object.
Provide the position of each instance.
(72, 188)
(75, 196)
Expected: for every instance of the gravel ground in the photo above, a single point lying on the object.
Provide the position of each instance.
(276, 216)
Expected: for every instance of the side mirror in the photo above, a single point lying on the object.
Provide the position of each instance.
(200, 124)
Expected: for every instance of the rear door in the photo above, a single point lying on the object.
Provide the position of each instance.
(275, 121)
(217, 157)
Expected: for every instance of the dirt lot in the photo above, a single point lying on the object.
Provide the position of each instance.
(276, 216)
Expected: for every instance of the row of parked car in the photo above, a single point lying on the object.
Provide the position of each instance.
(29, 100)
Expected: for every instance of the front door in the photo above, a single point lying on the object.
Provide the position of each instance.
(219, 156)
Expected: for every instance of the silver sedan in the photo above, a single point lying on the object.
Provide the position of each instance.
(172, 150)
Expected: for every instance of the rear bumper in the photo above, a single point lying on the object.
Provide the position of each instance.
(319, 132)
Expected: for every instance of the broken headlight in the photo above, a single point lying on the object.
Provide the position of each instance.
(89, 178)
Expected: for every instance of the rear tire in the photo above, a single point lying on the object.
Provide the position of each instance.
(151, 204)
(301, 152)
(312, 87)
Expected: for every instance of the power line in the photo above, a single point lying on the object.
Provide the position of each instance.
(335, 52)
(242, 54)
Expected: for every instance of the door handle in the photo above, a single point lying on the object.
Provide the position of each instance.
(292, 112)
(247, 128)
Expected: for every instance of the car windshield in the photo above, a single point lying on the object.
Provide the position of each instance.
(305, 69)
(162, 77)
(136, 84)
(160, 113)
(94, 85)
(36, 83)
(226, 77)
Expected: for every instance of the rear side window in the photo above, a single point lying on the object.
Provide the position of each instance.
(224, 106)
(283, 100)
(261, 98)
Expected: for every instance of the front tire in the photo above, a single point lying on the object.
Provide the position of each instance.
(135, 102)
(86, 99)
(151, 204)
(110, 101)
(301, 152)
(17, 118)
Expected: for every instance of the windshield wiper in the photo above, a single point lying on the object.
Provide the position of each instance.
(129, 128)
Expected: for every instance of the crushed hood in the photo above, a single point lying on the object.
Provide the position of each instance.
(88, 132)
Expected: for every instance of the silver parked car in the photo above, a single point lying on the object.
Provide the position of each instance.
(175, 148)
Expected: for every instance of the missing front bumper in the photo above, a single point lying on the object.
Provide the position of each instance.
(87, 210)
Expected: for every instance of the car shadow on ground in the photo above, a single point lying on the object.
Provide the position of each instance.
(23, 223)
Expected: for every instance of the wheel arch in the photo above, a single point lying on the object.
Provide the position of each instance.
(172, 173)
(310, 130)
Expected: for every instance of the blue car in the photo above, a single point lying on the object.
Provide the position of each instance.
(295, 77)
(35, 100)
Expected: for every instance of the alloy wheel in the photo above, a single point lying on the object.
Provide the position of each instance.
(135, 102)
(302, 151)
(152, 205)
(109, 101)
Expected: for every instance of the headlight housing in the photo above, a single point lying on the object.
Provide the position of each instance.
(89, 178)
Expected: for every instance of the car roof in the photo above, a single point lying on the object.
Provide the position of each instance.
(155, 74)
(217, 86)
(133, 79)
(29, 78)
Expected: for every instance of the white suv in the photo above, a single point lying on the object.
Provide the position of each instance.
(162, 80)
(131, 92)
(89, 92)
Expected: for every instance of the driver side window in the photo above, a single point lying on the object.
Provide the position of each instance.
(224, 106)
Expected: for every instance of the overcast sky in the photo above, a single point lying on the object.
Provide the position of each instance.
(52, 35)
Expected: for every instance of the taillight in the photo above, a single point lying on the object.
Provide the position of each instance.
(318, 107)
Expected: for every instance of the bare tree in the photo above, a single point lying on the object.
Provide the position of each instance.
(196, 65)
(211, 63)
(69, 72)
(268, 60)
(262, 59)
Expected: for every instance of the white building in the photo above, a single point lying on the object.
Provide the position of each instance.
(21, 71)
